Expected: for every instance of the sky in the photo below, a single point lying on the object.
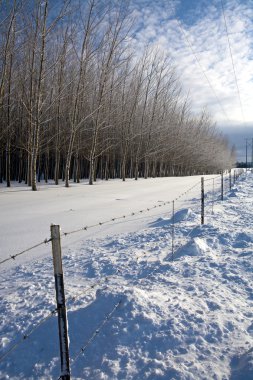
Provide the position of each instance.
(216, 72)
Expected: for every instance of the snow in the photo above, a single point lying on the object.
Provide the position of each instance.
(133, 312)
(27, 215)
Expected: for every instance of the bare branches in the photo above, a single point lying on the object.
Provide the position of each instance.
(77, 101)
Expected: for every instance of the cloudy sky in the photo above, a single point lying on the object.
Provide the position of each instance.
(194, 34)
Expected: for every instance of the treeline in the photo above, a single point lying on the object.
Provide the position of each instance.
(243, 164)
(77, 101)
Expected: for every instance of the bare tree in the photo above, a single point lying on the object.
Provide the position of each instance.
(77, 101)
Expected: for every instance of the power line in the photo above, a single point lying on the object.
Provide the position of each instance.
(232, 60)
(200, 66)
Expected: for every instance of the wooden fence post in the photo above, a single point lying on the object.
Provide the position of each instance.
(202, 200)
(230, 180)
(173, 229)
(60, 300)
(222, 185)
(213, 197)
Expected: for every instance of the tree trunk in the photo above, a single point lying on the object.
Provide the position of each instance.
(35, 141)
(46, 167)
(69, 156)
(146, 169)
(8, 163)
(91, 172)
(20, 166)
(56, 166)
(136, 169)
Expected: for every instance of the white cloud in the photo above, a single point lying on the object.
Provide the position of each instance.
(207, 35)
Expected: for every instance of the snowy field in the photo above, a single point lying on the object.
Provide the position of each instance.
(26, 216)
(133, 312)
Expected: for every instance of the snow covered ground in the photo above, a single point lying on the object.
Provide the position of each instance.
(26, 216)
(133, 312)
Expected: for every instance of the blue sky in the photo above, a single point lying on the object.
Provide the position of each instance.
(181, 27)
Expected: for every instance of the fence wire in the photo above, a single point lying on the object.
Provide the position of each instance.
(96, 332)
(13, 257)
(85, 228)
(105, 279)
(116, 306)
(20, 340)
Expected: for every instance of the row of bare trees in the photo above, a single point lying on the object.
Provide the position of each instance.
(77, 101)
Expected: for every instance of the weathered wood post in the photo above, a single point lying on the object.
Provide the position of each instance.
(202, 200)
(213, 197)
(60, 300)
(222, 185)
(173, 230)
(230, 180)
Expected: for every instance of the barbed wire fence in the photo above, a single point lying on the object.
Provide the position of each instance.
(215, 189)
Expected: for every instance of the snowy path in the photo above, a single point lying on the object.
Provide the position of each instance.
(187, 319)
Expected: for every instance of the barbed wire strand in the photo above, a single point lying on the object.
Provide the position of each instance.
(211, 179)
(85, 228)
(73, 298)
(106, 319)
(28, 334)
(80, 295)
(13, 257)
(195, 226)
(96, 332)
(106, 278)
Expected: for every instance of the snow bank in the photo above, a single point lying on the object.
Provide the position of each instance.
(190, 318)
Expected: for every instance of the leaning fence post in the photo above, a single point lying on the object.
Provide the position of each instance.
(222, 185)
(173, 229)
(202, 200)
(60, 300)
